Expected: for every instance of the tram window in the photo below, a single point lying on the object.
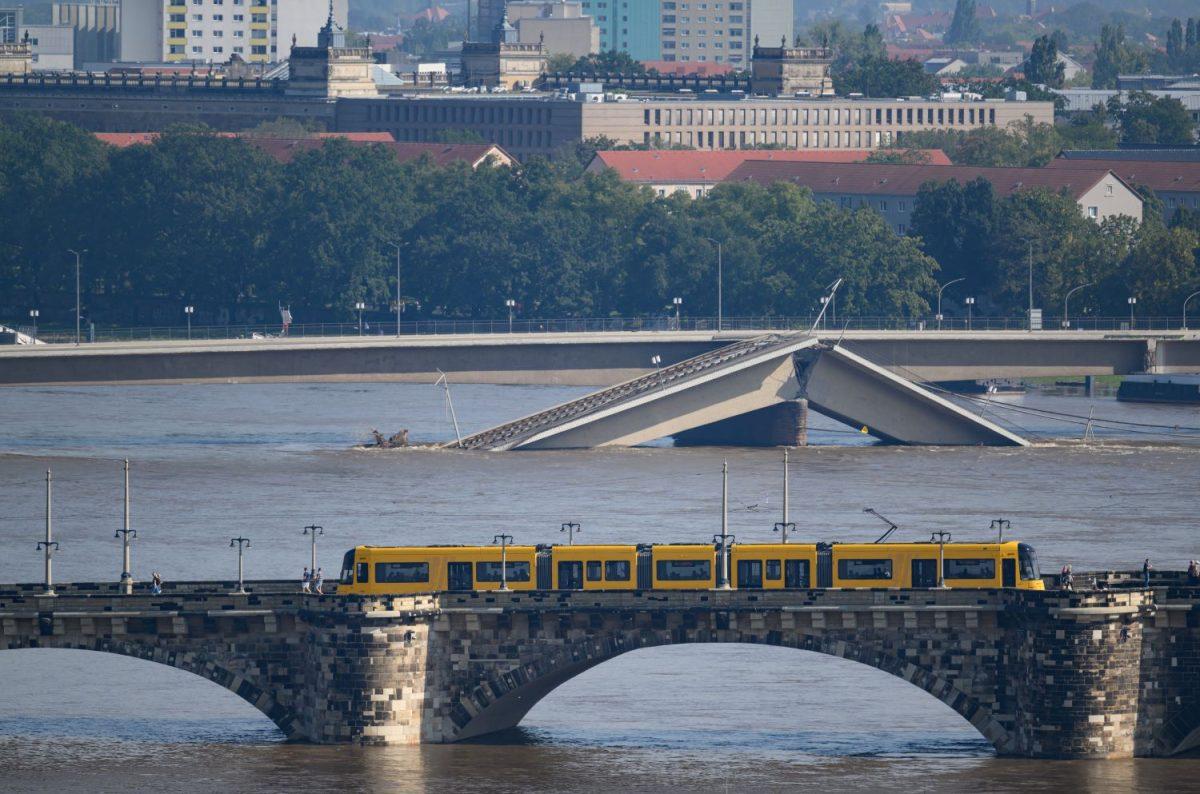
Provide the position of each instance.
(1028, 561)
(401, 572)
(864, 569)
(348, 568)
(595, 570)
(969, 569)
(684, 570)
(773, 569)
(616, 571)
(364, 569)
(490, 572)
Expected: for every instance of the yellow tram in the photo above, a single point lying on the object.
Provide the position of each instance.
(395, 570)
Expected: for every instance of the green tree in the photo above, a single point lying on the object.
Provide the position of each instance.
(1114, 56)
(1021, 144)
(1144, 118)
(964, 27)
(560, 62)
(609, 62)
(862, 66)
(955, 224)
(1043, 65)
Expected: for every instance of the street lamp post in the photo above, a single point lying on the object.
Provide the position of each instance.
(678, 304)
(1030, 243)
(512, 305)
(941, 537)
(504, 541)
(48, 546)
(1185, 303)
(1066, 322)
(127, 535)
(189, 311)
(824, 302)
(313, 530)
(34, 313)
(241, 543)
(1132, 301)
(970, 307)
(571, 527)
(783, 527)
(78, 309)
(399, 299)
(941, 289)
(720, 282)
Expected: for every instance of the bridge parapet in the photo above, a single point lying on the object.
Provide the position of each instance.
(1095, 673)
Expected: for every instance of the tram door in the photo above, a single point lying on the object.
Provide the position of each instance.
(1009, 571)
(924, 573)
(795, 574)
(749, 574)
(458, 575)
(570, 575)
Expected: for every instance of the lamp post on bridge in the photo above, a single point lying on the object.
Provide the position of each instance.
(941, 289)
(313, 530)
(723, 540)
(34, 313)
(504, 541)
(1185, 303)
(941, 538)
(126, 534)
(1001, 524)
(720, 281)
(678, 302)
(78, 308)
(241, 543)
(824, 303)
(1066, 323)
(1029, 242)
(399, 299)
(511, 305)
(970, 306)
(1132, 301)
(49, 546)
(189, 311)
(359, 306)
(571, 527)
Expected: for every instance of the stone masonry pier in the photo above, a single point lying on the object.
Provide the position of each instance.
(1109, 673)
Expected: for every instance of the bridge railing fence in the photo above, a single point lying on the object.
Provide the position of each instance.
(370, 328)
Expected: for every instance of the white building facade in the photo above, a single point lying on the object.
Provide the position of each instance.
(258, 31)
(724, 31)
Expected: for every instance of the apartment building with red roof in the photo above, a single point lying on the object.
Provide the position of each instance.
(1176, 183)
(892, 189)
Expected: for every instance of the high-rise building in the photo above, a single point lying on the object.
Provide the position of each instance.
(10, 24)
(723, 32)
(259, 31)
(559, 24)
(631, 26)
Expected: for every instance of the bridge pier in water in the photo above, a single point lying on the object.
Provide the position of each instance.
(1088, 674)
(784, 424)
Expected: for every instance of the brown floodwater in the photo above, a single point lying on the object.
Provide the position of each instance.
(211, 462)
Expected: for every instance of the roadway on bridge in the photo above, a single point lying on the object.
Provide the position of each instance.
(584, 359)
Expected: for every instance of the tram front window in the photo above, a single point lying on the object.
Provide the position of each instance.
(1028, 562)
(348, 568)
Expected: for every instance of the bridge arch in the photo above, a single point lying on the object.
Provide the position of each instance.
(188, 661)
(497, 701)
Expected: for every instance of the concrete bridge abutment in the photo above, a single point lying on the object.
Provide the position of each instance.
(1090, 674)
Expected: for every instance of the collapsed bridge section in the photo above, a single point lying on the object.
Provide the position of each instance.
(713, 394)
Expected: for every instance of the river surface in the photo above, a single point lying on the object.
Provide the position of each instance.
(211, 462)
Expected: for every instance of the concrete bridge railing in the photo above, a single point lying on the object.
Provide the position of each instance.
(1099, 673)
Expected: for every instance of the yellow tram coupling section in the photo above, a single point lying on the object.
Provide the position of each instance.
(399, 570)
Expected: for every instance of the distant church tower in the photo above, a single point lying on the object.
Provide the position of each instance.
(503, 61)
(331, 68)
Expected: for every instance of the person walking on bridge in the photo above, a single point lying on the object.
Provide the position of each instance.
(1193, 573)
(1146, 569)
(306, 581)
(1066, 577)
(318, 582)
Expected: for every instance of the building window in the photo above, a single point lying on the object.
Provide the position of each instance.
(1093, 212)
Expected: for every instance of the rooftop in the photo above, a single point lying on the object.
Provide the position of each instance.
(906, 180)
(671, 166)
(1157, 174)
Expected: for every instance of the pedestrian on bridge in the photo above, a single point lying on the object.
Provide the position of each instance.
(1193, 572)
(1066, 578)
(306, 581)
(156, 583)
(1146, 569)
(318, 582)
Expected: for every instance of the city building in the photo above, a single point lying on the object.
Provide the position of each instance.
(504, 62)
(10, 24)
(892, 189)
(16, 58)
(331, 69)
(52, 47)
(541, 124)
(791, 71)
(631, 26)
(668, 171)
(1175, 182)
(258, 31)
(96, 31)
(723, 32)
(560, 25)
(1082, 100)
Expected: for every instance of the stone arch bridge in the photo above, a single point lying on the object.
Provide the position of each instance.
(1101, 673)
